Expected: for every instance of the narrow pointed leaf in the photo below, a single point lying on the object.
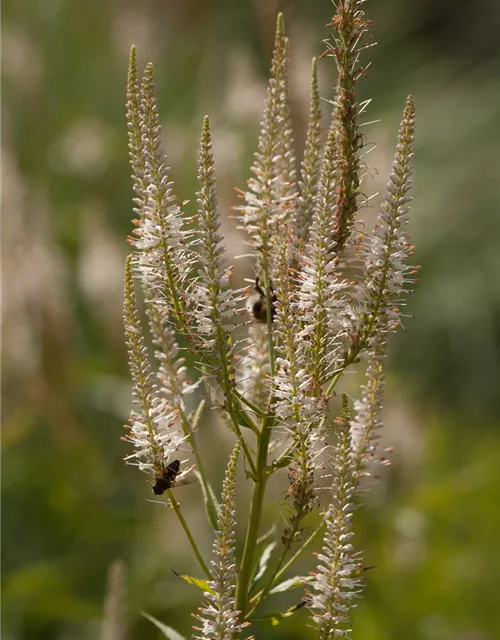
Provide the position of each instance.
(198, 582)
(291, 583)
(212, 507)
(167, 631)
(264, 561)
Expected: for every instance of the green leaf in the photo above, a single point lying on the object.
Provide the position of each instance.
(196, 415)
(267, 535)
(291, 583)
(167, 631)
(198, 582)
(275, 617)
(212, 507)
(281, 462)
(263, 562)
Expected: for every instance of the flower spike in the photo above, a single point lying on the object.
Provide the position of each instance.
(310, 170)
(152, 426)
(335, 581)
(219, 616)
(349, 27)
(271, 192)
(388, 248)
(215, 303)
(163, 259)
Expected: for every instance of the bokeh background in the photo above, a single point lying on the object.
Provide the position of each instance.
(70, 507)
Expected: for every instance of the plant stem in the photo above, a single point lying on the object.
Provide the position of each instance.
(247, 420)
(278, 573)
(254, 519)
(188, 533)
(242, 441)
(278, 566)
(212, 507)
(298, 553)
(249, 404)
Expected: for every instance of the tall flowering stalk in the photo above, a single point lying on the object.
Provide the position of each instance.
(346, 45)
(152, 430)
(335, 581)
(215, 304)
(271, 191)
(367, 422)
(310, 169)
(161, 234)
(219, 616)
(308, 324)
(386, 250)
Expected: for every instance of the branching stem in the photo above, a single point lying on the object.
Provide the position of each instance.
(189, 535)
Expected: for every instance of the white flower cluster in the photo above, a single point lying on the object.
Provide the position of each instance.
(336, 579)
(219, 616)
(325, 296)
(153, 430)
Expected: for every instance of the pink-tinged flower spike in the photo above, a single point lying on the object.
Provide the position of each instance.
(172, 372)
(349, 27)
(294, 406)
(134, 136)
(301, 485)
(163, 259)
(152, 426)
(219, 617)
(272, 191)
(321, 302)
(284, 163)
(387, 249)
(335, 582)
(367, 422)
(310, 170)
(215, 305)
(291, 381)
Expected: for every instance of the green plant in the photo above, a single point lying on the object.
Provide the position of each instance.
(326, 296)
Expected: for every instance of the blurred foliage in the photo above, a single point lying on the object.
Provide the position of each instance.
(70, 506)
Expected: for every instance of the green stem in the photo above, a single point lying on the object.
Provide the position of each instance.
(279, 569)
(283, 460)
(249, 404)
(189, 433)
(242, 441)
(278, 574)
(336, 378)
(261, 475)
(298, 553)
(245, 575)
(188, 533)
(269, 584)
(247, 421)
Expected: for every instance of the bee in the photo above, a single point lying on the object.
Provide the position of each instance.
(167, 478)
(257, 303)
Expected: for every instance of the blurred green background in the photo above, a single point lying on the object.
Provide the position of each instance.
(70, 507)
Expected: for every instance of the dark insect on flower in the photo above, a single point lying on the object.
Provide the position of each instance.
(167, 478)
(257, 304)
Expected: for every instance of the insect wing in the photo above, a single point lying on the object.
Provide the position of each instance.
(172, 469)
(185, 481)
